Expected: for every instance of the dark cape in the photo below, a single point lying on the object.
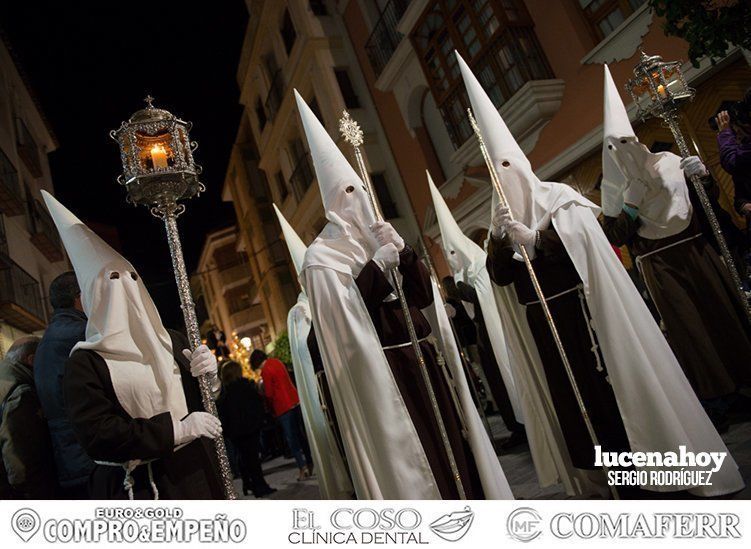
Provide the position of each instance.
(388, 320)
(109, 434)
(560, 284)
(696, 300)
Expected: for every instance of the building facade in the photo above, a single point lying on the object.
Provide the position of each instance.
(224, 299)
(541, 62)
(305, 46)
(31, 254)
(391, 64)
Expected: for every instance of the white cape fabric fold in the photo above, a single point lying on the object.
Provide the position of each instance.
(333, 479)
(659, 408)
(384, 453)
(494, 483)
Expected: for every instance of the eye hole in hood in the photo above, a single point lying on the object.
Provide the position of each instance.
(114, 275)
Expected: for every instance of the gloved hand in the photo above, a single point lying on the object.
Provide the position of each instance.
(450, 310)
(202, 361)
(196, 425)
(500, 219)
(387, 257)
(521, 234)
(385, 233)
(692, 165)
(634, 193)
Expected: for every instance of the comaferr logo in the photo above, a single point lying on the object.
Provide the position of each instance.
(524, 524)
(646, 526)
(453, 526)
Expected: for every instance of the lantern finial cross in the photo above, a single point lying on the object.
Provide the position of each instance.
(149, 100)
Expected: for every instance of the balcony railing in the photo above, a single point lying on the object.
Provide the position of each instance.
(384, 39)
(11, 196)
(275, 95)
(20, 299)
(28, 149)
(302, 176)
(514, 58)
(234, 273)
(43, 232)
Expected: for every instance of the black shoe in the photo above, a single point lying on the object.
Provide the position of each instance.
(517, 438)
(246, 486)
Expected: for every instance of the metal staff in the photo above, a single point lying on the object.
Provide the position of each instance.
(159, 170)
(466, 364)
(496, 181)
(352, 133)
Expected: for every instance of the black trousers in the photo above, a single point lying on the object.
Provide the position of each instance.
(248, 446)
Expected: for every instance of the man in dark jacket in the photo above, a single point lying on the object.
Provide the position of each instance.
(26, 470)
(66, 328)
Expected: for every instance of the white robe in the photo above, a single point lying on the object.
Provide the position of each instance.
(333, 479)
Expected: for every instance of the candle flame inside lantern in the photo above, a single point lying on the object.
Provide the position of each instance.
(159, 156)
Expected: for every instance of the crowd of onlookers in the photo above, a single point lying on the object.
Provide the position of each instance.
(41, 458)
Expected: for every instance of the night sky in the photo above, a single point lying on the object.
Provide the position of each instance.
(90, 65)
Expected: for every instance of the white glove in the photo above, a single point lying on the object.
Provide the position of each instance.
(500, 219)
(634, 193)
(196, 425)
(202, 361)
(450, 310)
(387, 257)
(692, 165)
(385, 233)
(521, 234)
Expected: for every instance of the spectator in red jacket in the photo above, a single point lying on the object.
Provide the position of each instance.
(285, 405)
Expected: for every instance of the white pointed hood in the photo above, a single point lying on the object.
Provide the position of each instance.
(347, 238)
(461, 252)
(124, 326)
(666, 208)
(295, 245)
(531, 201)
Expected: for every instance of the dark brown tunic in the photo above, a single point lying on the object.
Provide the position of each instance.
(389, 323)
(700, 310)
(108, 433)
(556, 273)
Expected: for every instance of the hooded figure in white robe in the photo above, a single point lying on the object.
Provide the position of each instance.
(648, 206)
(658, 408)
(333, 478)
(385, 453)
(130, 385)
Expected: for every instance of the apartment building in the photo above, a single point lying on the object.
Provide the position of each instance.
(31, 254)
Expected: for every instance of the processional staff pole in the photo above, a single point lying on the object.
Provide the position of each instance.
(353, 134)
(496, 181)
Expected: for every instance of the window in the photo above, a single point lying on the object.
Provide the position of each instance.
(289, 35)
(281, 186)
(348, 91)
(496, 38)
(388, 207)
(604, 16)
(260, 115)
(303, 173)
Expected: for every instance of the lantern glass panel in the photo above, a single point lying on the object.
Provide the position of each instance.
(155, 152)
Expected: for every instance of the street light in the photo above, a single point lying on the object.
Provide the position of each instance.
(659, 89)
(158, 171)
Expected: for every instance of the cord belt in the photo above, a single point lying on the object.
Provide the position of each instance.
(402, 345)
(640, 258)
(559, 294)
(129, 467)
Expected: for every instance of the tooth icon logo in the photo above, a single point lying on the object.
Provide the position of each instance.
(25, 523)
(454, 526)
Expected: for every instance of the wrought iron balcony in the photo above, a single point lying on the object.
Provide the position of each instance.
(28, 149)
(11, 196)
(384, 39)
(275, 95)
(43, 233)
(302, 176)
(20, 298)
